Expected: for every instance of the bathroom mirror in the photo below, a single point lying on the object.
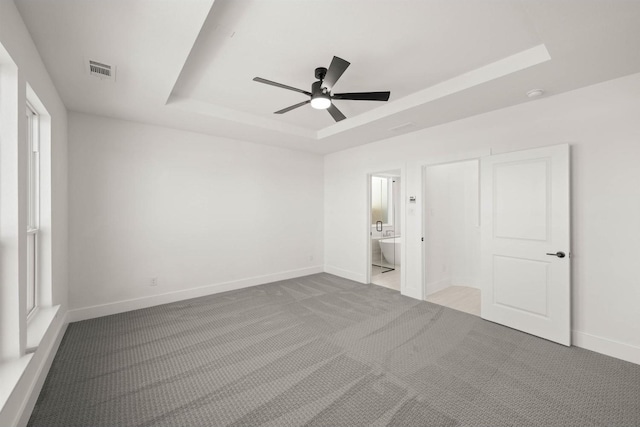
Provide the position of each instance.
(385, 242)
(381, 198)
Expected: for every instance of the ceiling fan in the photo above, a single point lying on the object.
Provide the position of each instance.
(321, 97)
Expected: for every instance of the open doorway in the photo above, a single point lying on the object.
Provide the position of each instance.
(452, 235)
(384, 219)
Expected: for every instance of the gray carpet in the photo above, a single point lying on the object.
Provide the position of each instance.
(325, 351)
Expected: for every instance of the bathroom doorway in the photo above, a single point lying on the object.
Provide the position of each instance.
(452, 247)
(385, 223)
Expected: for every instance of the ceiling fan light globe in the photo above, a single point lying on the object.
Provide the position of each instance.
(320, 103)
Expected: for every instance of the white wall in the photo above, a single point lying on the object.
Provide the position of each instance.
(452, 228)
(21, 65)
(601, 124)
(200, 213)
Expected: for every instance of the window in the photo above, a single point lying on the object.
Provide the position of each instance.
(33, 210)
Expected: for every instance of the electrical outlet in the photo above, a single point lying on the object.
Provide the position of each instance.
(154, 281)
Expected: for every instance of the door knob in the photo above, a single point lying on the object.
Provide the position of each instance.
(559, 254)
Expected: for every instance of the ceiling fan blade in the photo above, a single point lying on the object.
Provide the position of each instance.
(335, 113)
(284, 110)
(269, 82)
(363, 96)
(336, 68)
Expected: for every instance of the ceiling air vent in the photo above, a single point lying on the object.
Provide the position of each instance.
(102, 71)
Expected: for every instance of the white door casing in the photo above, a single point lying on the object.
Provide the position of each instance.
(525, 208)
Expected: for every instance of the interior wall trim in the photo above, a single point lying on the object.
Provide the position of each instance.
(612, 348)
(346, 274)
(415, 293)
(24, 396)
(116, 307)
(437, 285)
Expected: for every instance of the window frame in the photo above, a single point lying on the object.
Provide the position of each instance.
(33, 208)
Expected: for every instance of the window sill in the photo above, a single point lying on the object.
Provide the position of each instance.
(38, 325)
(11, 371)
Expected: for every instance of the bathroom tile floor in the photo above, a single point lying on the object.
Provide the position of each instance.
(461, 298)
(390, 279)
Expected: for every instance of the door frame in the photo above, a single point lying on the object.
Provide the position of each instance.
(400, 212)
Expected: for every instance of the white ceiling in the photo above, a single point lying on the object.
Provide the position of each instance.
(189, 64)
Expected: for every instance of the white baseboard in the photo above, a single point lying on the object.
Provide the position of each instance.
(351, 275)
(23, 399)
(606, 346)
(468, 281)
(116, 307)
(415, 293)
(438, 285)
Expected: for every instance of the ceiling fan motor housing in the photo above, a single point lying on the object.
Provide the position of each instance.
(320, 97)
(317, 89)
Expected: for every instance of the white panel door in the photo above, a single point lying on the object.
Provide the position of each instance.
(526, 241)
